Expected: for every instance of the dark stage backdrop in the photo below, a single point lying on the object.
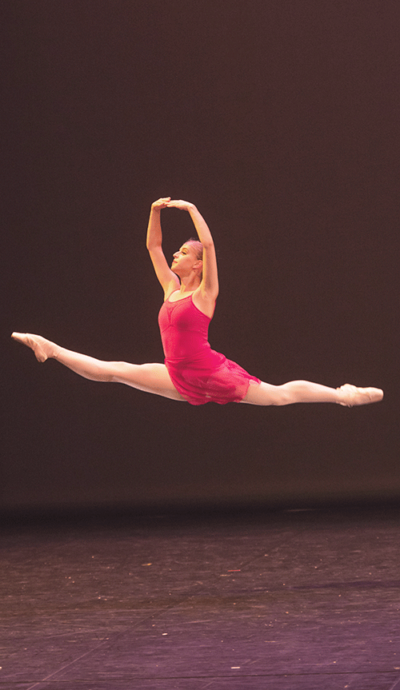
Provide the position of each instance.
(280, 121)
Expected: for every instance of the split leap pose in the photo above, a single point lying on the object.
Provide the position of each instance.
(192, 370)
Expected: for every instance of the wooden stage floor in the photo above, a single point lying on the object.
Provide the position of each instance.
(280, 601)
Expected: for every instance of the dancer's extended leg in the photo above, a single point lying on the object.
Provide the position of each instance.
(308, 392)
(152, 378)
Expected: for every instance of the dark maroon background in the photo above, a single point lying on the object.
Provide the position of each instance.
(280, 121)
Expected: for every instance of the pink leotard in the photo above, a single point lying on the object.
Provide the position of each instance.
(199, 374)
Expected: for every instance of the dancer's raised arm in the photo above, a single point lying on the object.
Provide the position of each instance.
(209, 285)
(167, 278)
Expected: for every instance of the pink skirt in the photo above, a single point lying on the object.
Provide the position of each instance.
(210, 378)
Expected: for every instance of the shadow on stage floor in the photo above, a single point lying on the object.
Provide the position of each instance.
(280, 600)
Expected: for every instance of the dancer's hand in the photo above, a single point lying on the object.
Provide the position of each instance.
(179, 203)
(161, 203)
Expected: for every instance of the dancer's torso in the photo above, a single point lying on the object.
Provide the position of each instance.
(184, 330)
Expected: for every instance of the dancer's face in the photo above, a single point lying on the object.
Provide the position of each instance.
(184, 260)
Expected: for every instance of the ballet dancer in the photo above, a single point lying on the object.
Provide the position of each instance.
(192, 371)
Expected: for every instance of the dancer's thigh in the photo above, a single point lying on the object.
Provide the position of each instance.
(152, 378)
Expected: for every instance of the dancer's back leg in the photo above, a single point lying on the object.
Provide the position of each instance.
(151, 378)
(308, 392)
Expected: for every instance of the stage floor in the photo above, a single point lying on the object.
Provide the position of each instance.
(305, 600)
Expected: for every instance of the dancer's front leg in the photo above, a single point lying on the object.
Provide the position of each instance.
(308, 392)
(152, 378)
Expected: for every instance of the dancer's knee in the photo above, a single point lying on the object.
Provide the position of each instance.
(120, 371)
(267, 394)
(138, 375)
(282, 395)
(152, 378)
(294, 392)
(103, 371)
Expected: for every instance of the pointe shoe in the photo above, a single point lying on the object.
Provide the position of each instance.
(359, 396)
(34, 342)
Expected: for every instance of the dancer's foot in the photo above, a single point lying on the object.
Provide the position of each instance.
(42, 348)
(351, 395)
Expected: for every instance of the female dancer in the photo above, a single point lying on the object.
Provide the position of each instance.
(192, 370)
